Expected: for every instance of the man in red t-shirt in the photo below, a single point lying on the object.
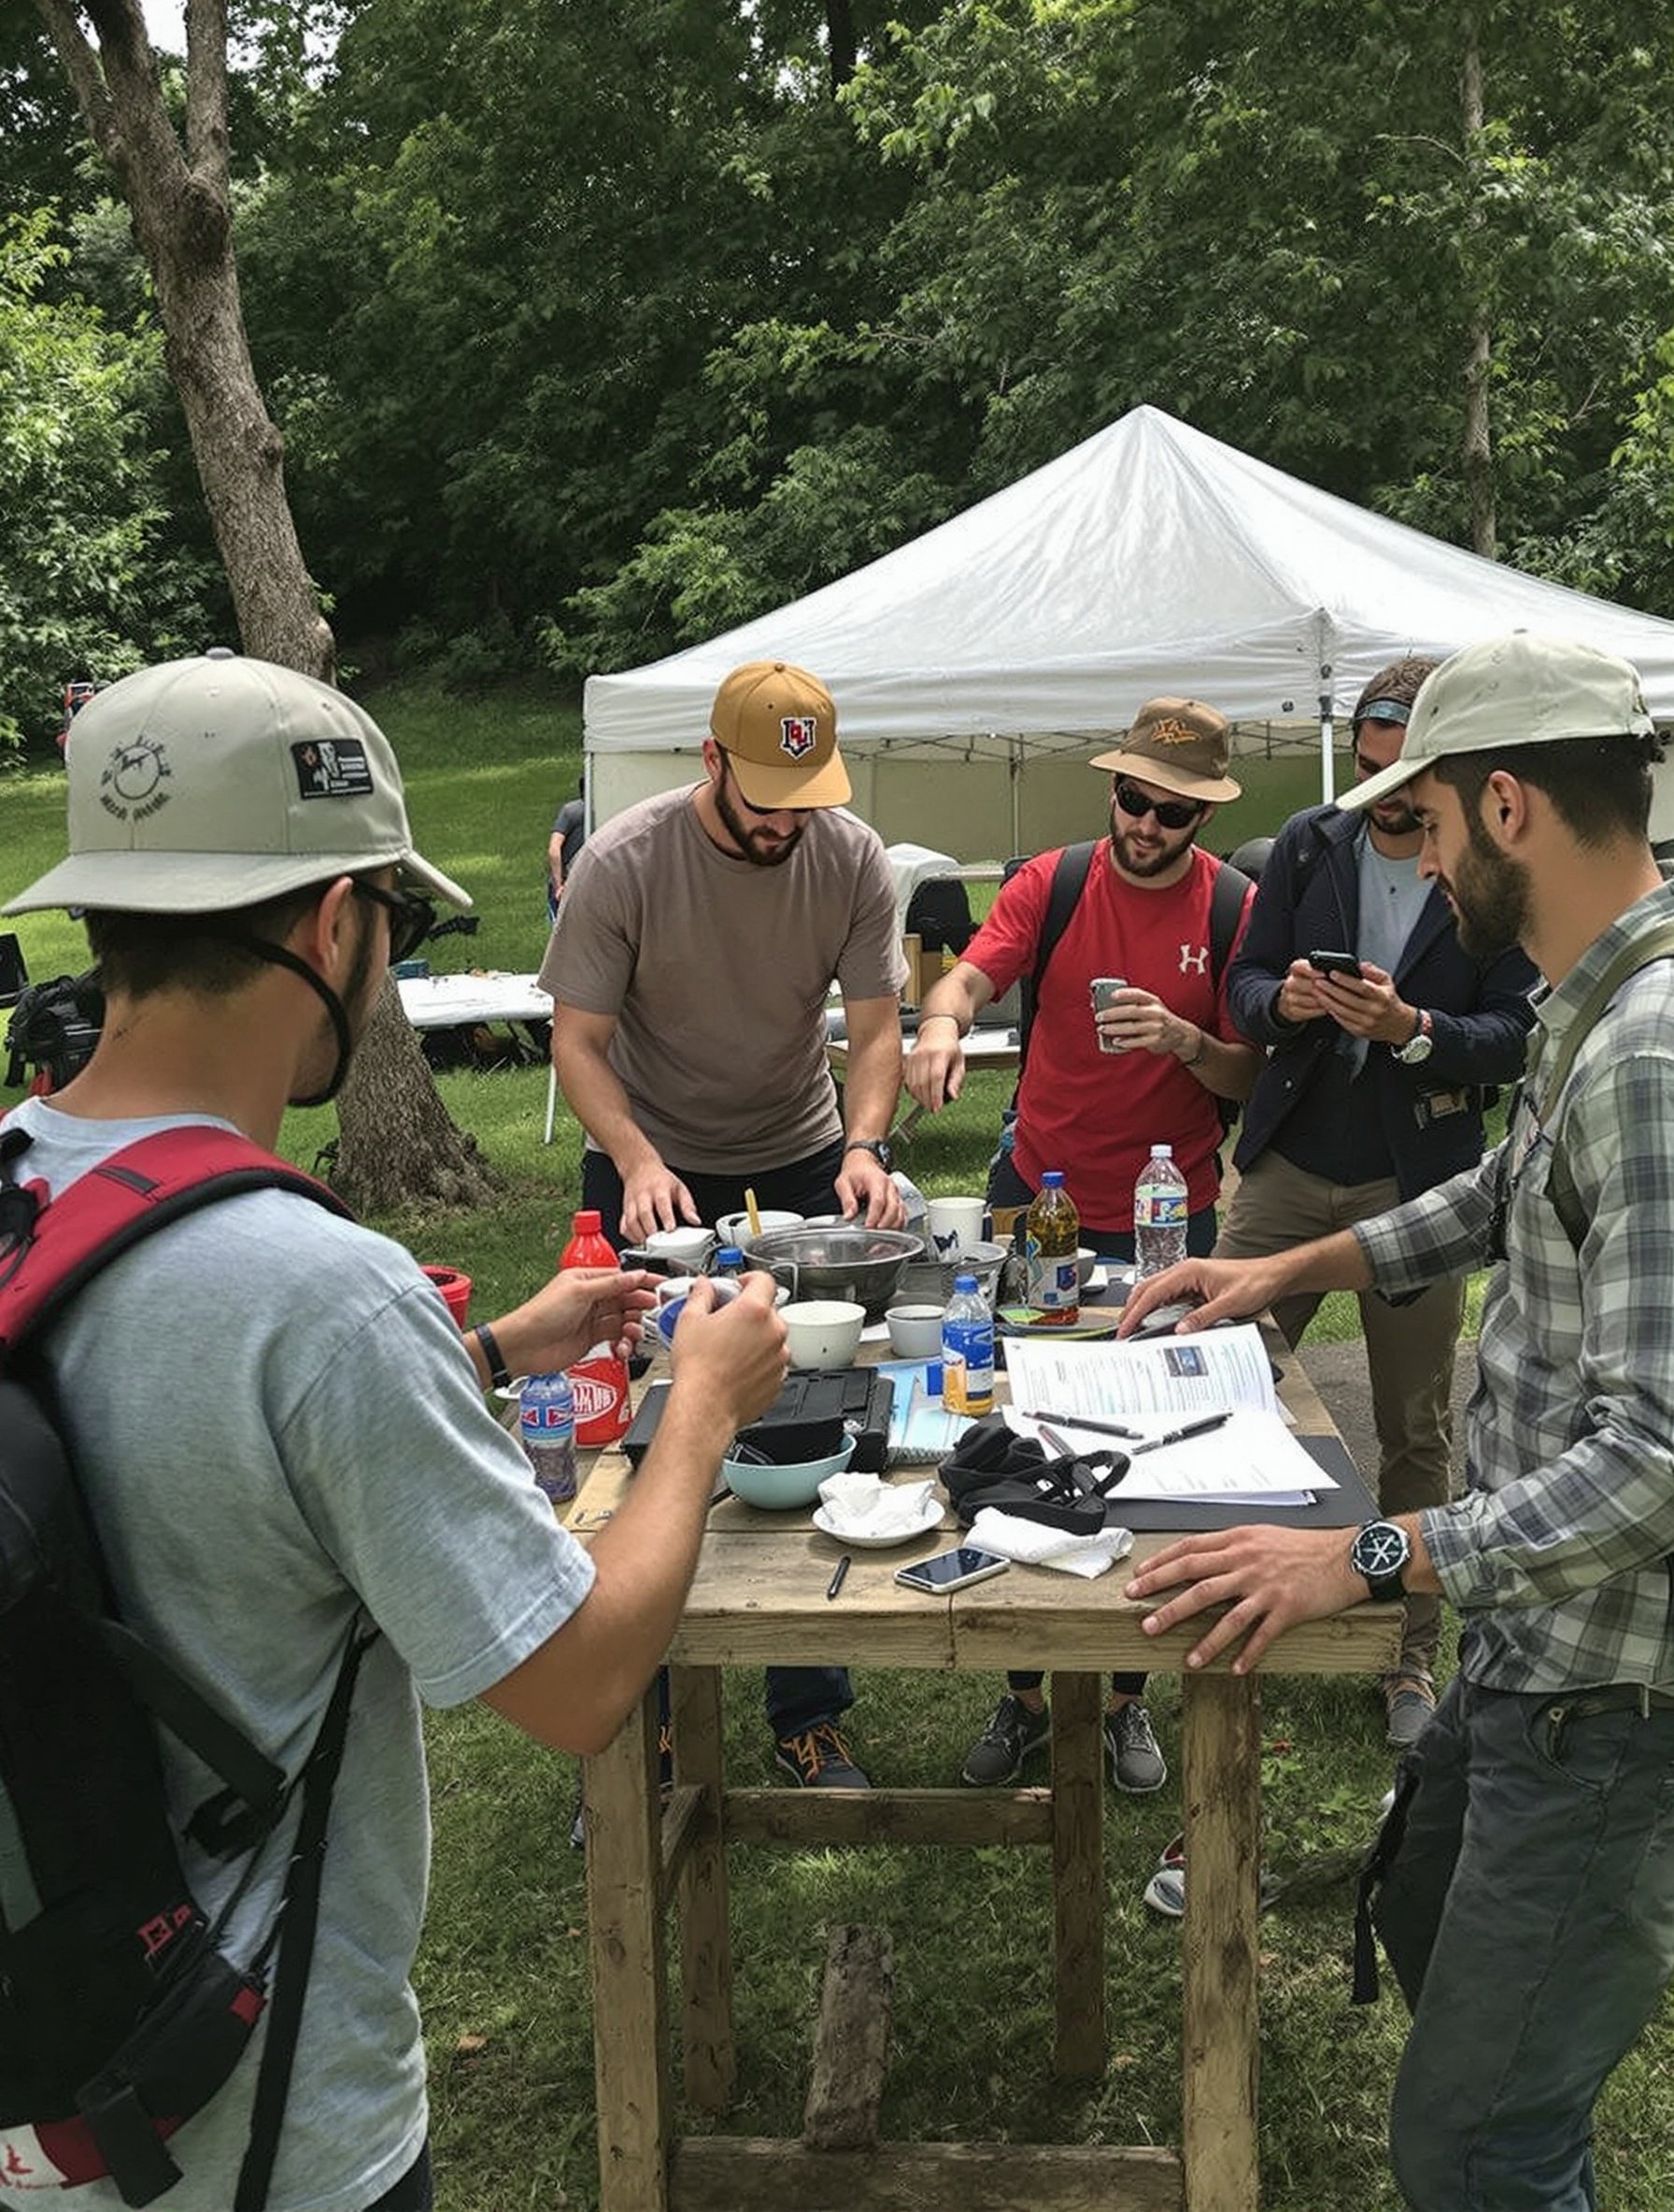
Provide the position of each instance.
(1144, 915)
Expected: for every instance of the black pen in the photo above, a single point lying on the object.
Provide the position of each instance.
(836, 1582)
(1103, 1428)
(1190, 1429)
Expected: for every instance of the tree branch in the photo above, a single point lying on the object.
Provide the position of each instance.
(81, 65)
(208, 152)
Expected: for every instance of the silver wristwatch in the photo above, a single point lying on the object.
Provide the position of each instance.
(1420, 1046)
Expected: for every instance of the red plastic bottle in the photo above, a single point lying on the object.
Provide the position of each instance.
(600, 1381)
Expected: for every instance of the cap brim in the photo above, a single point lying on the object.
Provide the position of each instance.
(1379, 785)
(209, 883)
(770, 789)
(1213, 790)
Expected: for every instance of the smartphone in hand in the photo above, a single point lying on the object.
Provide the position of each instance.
(1328, 963)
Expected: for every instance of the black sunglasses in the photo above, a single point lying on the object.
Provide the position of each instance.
(1171, 813)
(412, 917)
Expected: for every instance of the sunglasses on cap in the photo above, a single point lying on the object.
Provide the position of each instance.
(1171, 813)
(412, 917)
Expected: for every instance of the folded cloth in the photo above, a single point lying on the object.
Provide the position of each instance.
(860, 1505)
(1032, 1545)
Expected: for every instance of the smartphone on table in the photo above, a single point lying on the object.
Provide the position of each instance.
(1327, 963)
(951, 1570)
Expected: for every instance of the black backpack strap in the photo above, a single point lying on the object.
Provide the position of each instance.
(1069, 881)
(299, 1917)
(1227, 898)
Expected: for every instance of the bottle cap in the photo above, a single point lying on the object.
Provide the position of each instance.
(729, 1256)
(1162, 1152)
(1053, 1179)
(964, 1283)
(585, 1223)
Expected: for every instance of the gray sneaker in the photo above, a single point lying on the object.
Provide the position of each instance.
(997, 1753)
(1135, 1762)
(1408, 1700)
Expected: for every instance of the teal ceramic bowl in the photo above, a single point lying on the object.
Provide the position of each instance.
(778, 1488)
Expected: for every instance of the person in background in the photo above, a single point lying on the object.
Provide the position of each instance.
(1145, 914)
(239, 846)
(702, 930)
(1524, 1879)
(1374, 1090)
(569, 833)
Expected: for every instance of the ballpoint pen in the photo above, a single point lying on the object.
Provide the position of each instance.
(836, 1582)
(1103, 1428)
(1188, 1428)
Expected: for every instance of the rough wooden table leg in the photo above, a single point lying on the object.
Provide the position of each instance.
(1221, 1736)
(624, 1929)
(1078, 1873)
(705, 1941)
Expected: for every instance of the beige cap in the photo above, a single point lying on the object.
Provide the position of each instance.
(779, 725)
(1180, 744)
(222, 781)
(1516, 690)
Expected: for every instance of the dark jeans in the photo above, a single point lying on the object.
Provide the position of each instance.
(1528, 1914)
(1006, 1187)
(796, 1696)
(413, 2192)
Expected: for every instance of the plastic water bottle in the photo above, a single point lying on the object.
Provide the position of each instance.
(546, 1425)
(1051, 1232)
(1159, 1213)
(967, 1350)
(600, 1381)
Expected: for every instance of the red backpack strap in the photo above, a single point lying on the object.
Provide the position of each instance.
(49, 1247)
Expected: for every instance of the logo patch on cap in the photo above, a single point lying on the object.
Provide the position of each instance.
(132, 783)
(332, 767)
(798, 735)
(1173, 733)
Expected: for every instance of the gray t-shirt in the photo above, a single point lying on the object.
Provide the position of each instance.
(717, 972)
(277, 1424)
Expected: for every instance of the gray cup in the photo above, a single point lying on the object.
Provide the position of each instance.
(1102, 991)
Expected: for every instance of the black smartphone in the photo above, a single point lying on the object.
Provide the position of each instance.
(951, 1570)
(1334, 963)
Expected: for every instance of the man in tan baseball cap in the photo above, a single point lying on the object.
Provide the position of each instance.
(777, 727)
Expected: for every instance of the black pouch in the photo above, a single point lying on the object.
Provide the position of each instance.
(991, 1467)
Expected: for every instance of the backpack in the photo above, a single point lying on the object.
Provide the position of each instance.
(120, 2014)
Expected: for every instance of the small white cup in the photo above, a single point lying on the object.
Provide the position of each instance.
(955, 1225)
(823, 1332)
(733, 1228)
(914, 1331)
(1087, 1259)
(688, 1247)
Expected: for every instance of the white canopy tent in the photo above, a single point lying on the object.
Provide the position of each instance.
(1015, 641)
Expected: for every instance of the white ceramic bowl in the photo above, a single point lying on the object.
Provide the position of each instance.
(914, 1331)
(692, 1247)
(823, 1332)
(732, 1228)
(1085, 1261)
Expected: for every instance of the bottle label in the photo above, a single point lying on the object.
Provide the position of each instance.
(1159, 1209)
(599, 1385)
(1052, 1286)
(967, 1367)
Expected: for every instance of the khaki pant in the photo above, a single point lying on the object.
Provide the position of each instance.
(1409, 1349)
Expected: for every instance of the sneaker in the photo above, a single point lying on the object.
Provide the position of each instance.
(1135, 1764)
(817, 1759)
(665, 1783)
(1012, 1732)
(1408, 1700)
(1165, 1892)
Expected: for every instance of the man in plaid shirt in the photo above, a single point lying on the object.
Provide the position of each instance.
(1526, 1901)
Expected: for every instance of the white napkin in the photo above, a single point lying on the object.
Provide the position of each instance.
(1032, 1545)
(862, 1505)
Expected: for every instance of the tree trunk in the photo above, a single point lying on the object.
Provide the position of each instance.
(390, 1116)
(396, 1134)
(1478, 451)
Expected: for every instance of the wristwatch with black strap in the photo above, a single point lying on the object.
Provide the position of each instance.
(1381, 1553)
(1419, 1046)
(878, 1147)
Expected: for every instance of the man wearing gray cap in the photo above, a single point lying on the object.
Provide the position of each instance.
(1524, 1879)
(278, 1431)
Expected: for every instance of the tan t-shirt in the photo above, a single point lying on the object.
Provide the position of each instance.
(717, 974)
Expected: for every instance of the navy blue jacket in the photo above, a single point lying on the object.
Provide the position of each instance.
(1431, 1116)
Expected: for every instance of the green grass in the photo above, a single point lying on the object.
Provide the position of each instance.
(502, 1975)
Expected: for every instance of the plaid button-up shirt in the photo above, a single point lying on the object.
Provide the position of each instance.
(1557, 1553)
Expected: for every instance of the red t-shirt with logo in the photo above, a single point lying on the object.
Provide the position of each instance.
(1097, 1115)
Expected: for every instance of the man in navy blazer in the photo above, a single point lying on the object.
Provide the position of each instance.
(1373, 1092)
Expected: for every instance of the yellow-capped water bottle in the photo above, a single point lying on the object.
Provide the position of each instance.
(1051, 1233)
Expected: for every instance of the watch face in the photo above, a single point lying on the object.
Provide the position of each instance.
(1380, 1550)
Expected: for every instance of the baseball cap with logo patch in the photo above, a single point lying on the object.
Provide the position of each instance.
(779, 727)
(1180, 744)
(220, 781)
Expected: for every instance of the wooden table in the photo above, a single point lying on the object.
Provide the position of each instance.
(759, 1597)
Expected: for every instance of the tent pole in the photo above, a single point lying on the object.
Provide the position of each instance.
(1016, 765)
(1327, 741)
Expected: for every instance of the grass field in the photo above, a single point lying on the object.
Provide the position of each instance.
(502, 1975)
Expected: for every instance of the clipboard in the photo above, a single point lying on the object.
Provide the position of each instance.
(1348, 1506)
